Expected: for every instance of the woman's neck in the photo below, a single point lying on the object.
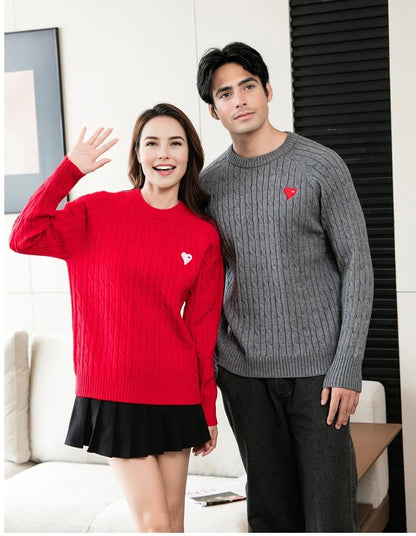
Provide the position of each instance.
(160, 198)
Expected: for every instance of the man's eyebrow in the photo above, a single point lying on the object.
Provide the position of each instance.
(241, 83)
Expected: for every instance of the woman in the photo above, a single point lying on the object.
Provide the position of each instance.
(146, 280)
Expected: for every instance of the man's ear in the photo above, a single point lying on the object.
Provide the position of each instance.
(212, 111)
(269, 92)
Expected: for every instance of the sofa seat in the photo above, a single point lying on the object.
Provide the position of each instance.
(84, 497)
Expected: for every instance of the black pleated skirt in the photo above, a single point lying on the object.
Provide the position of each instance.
(124, 430)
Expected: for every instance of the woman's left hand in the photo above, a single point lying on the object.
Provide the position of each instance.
(209, 445)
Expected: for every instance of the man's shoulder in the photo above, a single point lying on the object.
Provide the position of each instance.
(211, 172)
(315, 154)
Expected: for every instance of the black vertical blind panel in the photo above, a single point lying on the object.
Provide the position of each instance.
(341, 92)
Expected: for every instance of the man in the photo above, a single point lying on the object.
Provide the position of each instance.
(297, 303)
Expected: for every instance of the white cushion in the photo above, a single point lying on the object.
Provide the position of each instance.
(372, 404)
(219, 518)
(52, 394)
(82, 497)
(374, 485)
(16, 397)
(11, 469)
(225, 460)
(58, 497)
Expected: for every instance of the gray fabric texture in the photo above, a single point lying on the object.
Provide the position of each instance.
(299, 278)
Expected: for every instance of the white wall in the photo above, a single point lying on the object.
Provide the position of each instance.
(117, 59)
(402, 16)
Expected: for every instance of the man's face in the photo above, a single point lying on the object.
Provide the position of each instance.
(240, 102)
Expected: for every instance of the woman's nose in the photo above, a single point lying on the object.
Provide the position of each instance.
(163, 152)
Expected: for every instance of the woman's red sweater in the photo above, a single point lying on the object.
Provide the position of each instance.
(132, 268)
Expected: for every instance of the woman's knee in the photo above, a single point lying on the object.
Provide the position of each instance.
(154, 522)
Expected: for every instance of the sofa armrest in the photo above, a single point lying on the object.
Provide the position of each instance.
(16, 397)
(373, 487)
(11, 469)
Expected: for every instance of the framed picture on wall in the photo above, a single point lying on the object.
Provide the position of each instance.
(33, 113)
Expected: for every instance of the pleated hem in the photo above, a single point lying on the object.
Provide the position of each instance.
(124, 430)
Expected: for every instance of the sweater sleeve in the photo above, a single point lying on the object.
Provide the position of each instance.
(202, 315)
(343, 221)
(42, 229)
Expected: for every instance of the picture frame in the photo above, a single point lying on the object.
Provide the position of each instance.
(34, 125)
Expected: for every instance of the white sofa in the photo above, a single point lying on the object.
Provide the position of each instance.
(51, 487)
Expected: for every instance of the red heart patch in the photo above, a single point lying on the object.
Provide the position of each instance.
(289, 192)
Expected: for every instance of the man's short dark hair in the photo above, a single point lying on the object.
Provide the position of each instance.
(236, 52)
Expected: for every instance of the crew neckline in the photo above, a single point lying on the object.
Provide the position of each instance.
(159, 213)
(255, 161)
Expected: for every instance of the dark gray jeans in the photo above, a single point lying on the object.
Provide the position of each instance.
(301, 473)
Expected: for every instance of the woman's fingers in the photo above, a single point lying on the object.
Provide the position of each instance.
(82, 135)
(92, 139)
(107, 146)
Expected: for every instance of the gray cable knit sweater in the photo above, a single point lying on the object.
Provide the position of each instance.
(299, 278)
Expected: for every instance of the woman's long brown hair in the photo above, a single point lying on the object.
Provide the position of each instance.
(190, 189)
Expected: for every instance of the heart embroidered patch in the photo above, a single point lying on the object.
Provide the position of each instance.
(289, 192)
(186, 257)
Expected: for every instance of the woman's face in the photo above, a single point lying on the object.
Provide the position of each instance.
(163, 153)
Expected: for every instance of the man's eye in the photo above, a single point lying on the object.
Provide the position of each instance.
(226, 94)
(250, 86)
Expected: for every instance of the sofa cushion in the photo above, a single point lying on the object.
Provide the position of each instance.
(16, 397)
(82, 497)
(372, 403)
(58, 497)
(225, 460)
(51, 398)
(52, 393)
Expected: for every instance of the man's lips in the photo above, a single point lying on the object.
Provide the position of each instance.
(243, 115)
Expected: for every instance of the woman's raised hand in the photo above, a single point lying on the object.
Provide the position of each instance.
(85, 154)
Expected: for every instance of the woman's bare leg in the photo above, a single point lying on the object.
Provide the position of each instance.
(174, 469)
(144, 488)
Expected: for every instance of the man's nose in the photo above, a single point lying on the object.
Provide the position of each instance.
(240, 100)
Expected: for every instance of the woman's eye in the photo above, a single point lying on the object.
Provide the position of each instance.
(150, 143)
(177, 143)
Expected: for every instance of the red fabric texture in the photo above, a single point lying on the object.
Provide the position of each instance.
(131, 269)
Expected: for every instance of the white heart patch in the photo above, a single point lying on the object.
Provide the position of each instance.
(186, 257)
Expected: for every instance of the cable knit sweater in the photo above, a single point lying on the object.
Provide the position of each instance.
(131, 269)
(299, 281)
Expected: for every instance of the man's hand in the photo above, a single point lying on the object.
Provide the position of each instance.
(209, 445)
(342, 402)
(84, 154)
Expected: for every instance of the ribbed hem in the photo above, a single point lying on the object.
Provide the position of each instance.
(129, 390)
(261, 160)
(304, 366)
(273, 366)
(158, 213)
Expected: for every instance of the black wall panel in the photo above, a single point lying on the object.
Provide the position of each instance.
(341, 88)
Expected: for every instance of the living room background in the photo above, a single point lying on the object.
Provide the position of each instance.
(119, 58)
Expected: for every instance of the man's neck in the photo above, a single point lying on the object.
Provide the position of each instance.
(262, 141)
